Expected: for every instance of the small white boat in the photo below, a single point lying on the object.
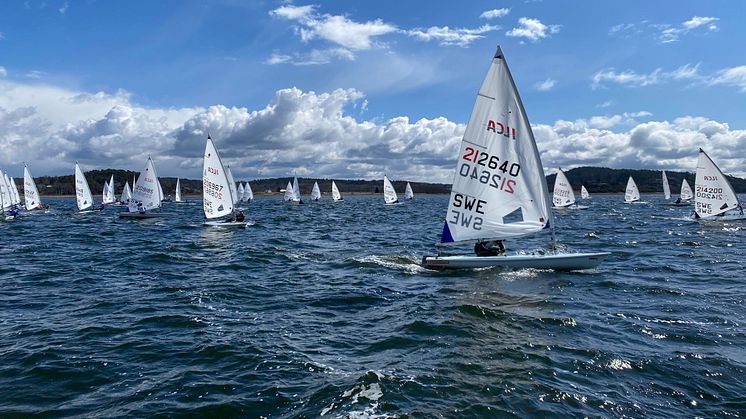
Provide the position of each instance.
(389, 194)
(126, 194)
(716, 200)
(31, 197)
(666, 187)
(147, 195)
(408, 194)
(336, 196)
(177, 194)
(218, 201)
(499, 189)
(292, 192)
(315, 192)
(83, 196)
(248, 193)
(563, 197)
(631, 193)
(584, 193)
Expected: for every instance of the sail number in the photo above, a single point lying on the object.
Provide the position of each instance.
(562, 192)
(212, 189)
(493, 162)
(709, 192)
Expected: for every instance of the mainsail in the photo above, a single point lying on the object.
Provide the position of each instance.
(110, 197)
(216, 193)
(5, 192)
(563, 196)
(315, 192)
(389, 194)
(408, 194)
(631, 194)
(584, 193)
(126, 193)
(240, 192)
(666, 187)
(14, 191)
(715, 195)
(147, 190)
(231, 184)
(335, 192)
(499, 190)
(82, 190)
(30, 193)
(288, 192)
(686, 191)
(248, 193)
(296, 190)
(177, 195)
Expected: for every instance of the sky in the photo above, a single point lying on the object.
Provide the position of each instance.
(356, 90)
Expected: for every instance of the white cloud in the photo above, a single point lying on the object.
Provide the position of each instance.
(494, 13)
(735, 76)
(665, 33)
(633, 79)
(64, 7)
(291, 12)
(313, 57)
(3, 71)
(545, 85)
(698, 21)
(446, 36)
(532, 29)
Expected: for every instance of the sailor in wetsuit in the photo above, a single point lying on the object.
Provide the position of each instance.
(489, 248)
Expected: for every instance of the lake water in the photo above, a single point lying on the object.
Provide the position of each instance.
(322, 309)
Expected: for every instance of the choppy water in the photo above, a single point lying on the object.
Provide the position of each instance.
(321, 309)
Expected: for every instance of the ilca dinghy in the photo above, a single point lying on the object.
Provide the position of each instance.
(563, 196)
(147, 195)
(83, 196)
(336, 196)
(714, 198)
(30, 192)
(408, 193)
(499, 174)
(217, 200)
(315, 192)
(389, 193)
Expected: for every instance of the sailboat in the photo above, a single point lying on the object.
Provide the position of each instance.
(83, 195)
(30, 193)
(177, 194)
(248, 193)
(288, 192)
(126, 194)
(389, 194)
(315, 192)
(686, 191)
(584, 193)
(8, 209)
(667, 193)
(14, 192)
(563, 196)
(408, 194)
(217, 200)
(716, 199)
(503, 195)
(231, 184)
(336, 196)
(147, 195)
(240, 192)
(631, 193)
(292, 192)
(666, 187)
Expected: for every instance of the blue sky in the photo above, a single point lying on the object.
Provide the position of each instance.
(624, 84)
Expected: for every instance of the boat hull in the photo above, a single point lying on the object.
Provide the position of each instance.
(224, 224)
(557, 262)
(726, 217)
(138, 216)
(572, 207)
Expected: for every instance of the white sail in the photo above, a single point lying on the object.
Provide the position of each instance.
(715, 195)
(5, 192)
(161, 197)
(14, 191)
(82, 190)
(231, 184)
(563, 195)
(126, 193)
(408, 194)
(216, 193)
(389, 194)
(315, 192)
(248, 193)
(177, 195)
(9, 188)
(240, 192)
(631, 194)
(30, 193)
(288, 192)
(105, 193)
(499, 190)
(686, 191)
(112, 190)
(296, 190)
(666, 187)
(584, 193)
(335, 192)
(147, 190)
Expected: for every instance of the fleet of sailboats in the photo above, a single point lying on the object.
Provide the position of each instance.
(147, 195)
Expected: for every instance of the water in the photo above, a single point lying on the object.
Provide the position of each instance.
(322, 309)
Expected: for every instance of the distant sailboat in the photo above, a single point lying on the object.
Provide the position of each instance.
(147, 195)
(686, 191)
(8, 208)
(217, 200)
(336, 196)
(631, 194)
(248, 193)
(408, 194)
(584, 193)
(288, 192)
(505, 194)
(83, 195)
(315, 192)
(666, 187)
(240, 192)
(563, 196)
(30, 193)
(389, 193)
(716, 199)
(177, 194)
(14, 192)
(292, 192)
(126, 194)
(231, 184)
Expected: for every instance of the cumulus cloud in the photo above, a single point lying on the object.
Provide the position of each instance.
(532, 29)
(494, 13)
(446, 36)
(545, 85)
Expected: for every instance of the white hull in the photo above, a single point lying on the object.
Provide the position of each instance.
(226, 224)
(90, 211)
(726, 217)
(573, 207)
(392, 204)
(634, 202)
(138, 216)
(558, 262)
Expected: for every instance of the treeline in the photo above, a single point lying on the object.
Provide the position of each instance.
(595, 179)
